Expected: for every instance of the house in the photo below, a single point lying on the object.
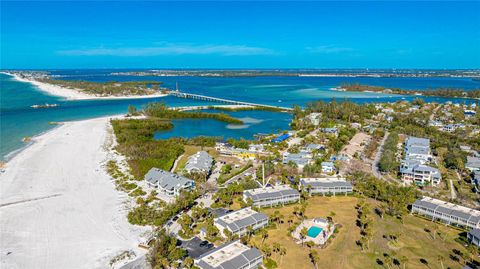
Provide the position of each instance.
(281, 138)
(312, 147)
(238, 222)
(245, 154)
(421, 174)
(333, 131)
(200, 162)
(256, 148)
(469, 113)
(473, 236)
(168, 183)
(326, 185)
(314, 118)
(272, 196)
(473, 163)
(328, 167)
(300, 159)
(446, 212)
(418, 149)
(232, 255)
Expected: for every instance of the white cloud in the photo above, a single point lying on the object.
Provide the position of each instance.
(327, 49)
(171, 49)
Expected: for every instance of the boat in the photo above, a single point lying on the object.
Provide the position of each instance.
(44, 106)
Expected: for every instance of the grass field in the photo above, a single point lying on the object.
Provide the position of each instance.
(414, 242)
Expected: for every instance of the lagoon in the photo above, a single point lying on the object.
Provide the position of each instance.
(19, 120)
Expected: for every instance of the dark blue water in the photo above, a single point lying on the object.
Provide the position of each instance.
(254, 122)
(18, 120)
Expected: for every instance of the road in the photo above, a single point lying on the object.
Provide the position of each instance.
(176, 163)
(250, 170)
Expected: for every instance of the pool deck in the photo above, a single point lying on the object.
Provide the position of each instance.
(320, 238)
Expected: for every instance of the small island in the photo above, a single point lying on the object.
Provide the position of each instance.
(81, 90)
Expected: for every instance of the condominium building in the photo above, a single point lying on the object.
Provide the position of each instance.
(168, 183)
(232, 255)
(420, 174)
(238, 222)
(326, 185)
(473, 236)
(199, 162)
(447, 212)
(414, 168)
(272, 196)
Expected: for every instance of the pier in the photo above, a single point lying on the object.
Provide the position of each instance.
(222, 100)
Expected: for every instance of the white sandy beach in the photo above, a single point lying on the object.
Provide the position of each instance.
(58, 206)
(75, 94)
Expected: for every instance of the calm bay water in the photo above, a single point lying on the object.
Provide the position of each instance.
(18, 120)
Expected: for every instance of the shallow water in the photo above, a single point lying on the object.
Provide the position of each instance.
(18, 120)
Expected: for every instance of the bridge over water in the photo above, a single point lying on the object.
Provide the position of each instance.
(222, 100)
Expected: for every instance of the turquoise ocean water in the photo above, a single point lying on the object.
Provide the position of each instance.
(18, 120)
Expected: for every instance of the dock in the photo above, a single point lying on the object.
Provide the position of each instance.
(222, 100)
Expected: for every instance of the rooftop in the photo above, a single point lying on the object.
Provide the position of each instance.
(232, 255)
(325, 182)
(449, 208)
(165, 179)
(201, 161)
(270, 192)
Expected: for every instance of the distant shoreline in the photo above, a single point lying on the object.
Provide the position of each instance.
(74, 94)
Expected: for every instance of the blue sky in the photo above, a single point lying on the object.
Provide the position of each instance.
(240, 34)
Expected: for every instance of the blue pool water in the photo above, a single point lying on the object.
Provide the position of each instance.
(314, 231)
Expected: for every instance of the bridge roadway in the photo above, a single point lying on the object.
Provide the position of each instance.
(221, 100)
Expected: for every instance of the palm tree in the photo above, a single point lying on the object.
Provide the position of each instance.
(441, 259)
(283, 252)
(472, 250)
(303, 234)
(315, 258)
(434, 230)
(330, 216)
(404, 260)
(264, 235)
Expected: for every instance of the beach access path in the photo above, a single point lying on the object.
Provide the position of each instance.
(58, 206)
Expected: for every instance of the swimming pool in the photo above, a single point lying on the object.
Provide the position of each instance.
(314, 231)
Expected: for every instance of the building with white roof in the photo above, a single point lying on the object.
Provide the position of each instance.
(272, 196)
(168, 183)
(199, 162)
(326, 185)
(232, 255)
(237, 222)
(447, 212)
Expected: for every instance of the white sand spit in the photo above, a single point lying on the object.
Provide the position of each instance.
(58, 206)
(75, 94)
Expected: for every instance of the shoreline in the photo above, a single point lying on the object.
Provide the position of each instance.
(59, 207)
(75, 94)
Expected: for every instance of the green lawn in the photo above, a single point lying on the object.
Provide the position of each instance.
(414, 242)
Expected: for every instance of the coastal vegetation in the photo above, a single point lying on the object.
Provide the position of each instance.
(246, 108)
(111, 88)
(160, 110)
(388, 161)
(438, 92)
